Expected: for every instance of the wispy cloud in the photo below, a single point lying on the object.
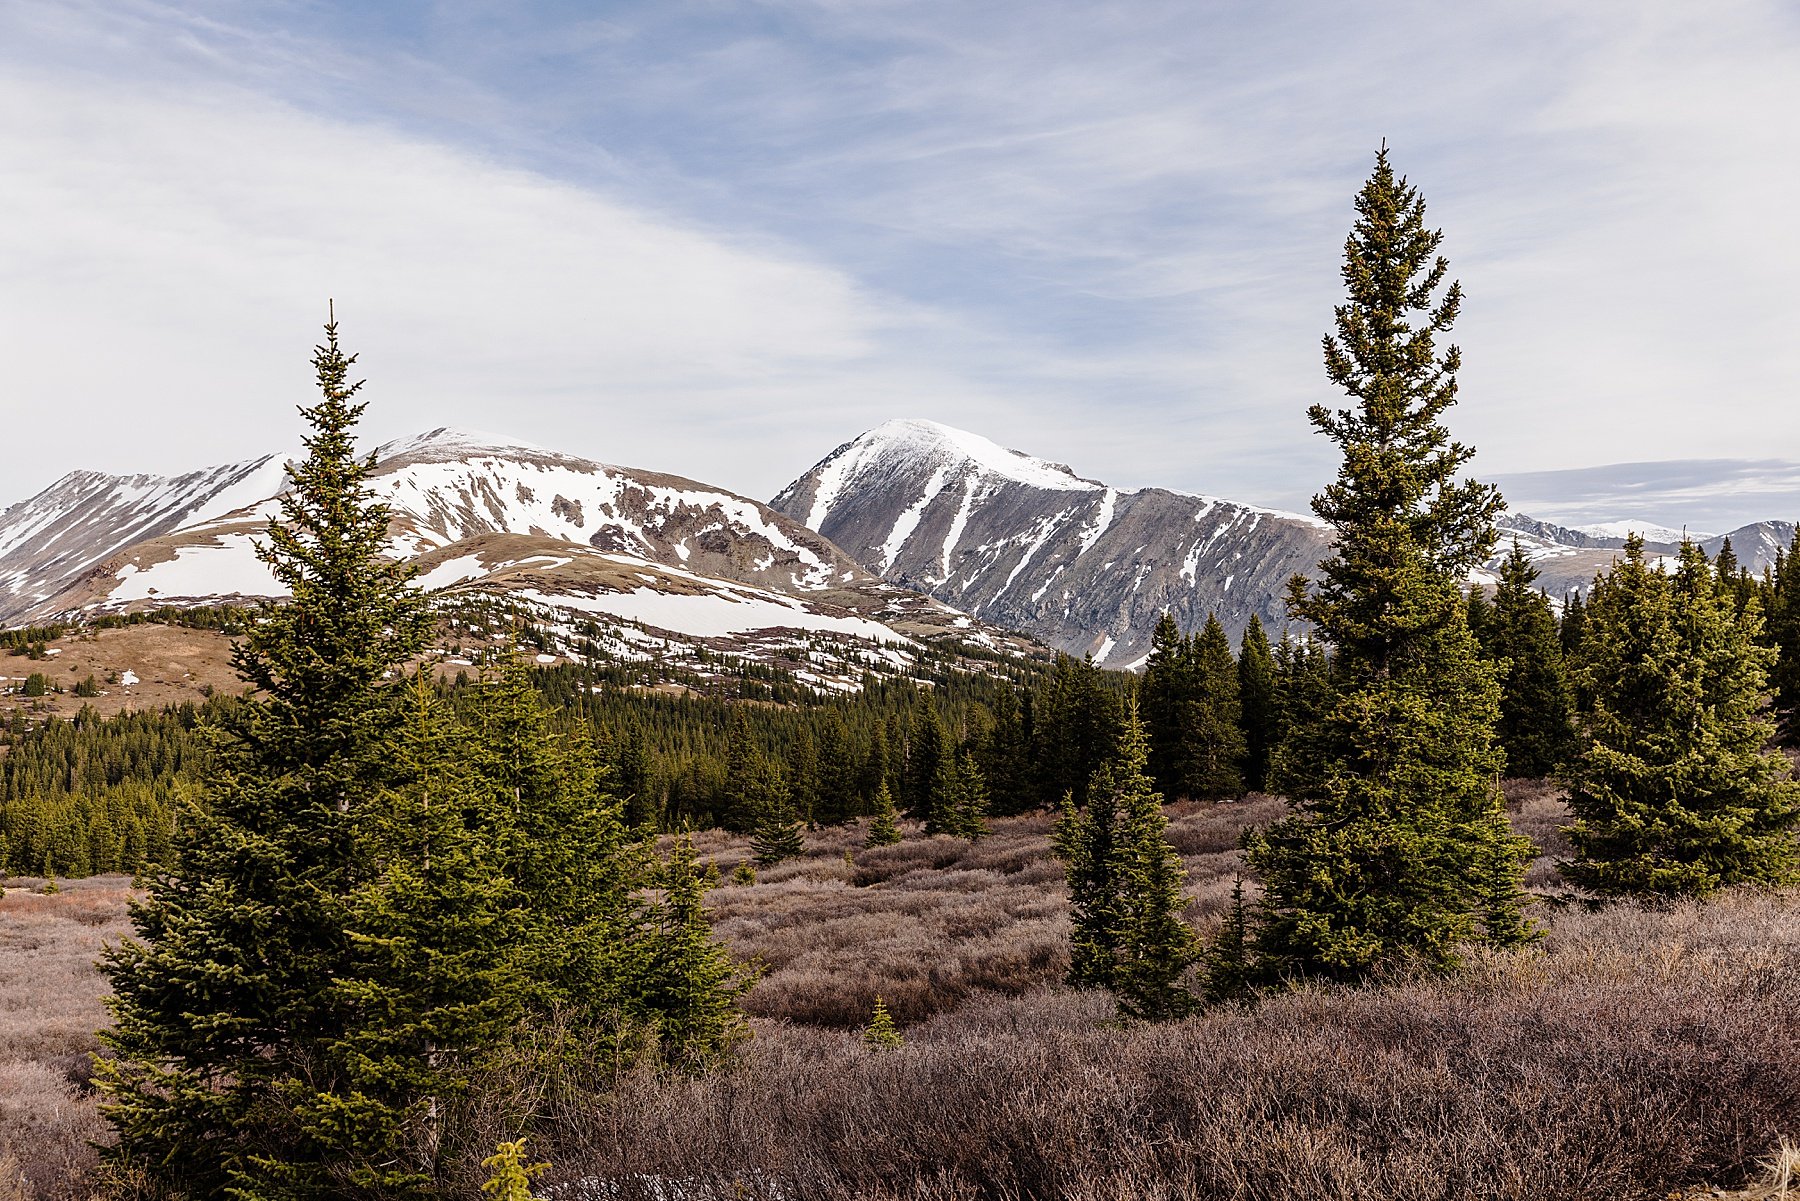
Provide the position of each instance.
(723, 238)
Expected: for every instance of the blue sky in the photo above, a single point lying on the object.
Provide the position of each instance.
(720, 238)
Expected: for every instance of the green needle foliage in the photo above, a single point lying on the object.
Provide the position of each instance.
(777, 835)
(690, 986)
(1215, 731)
(382, 910)
(968, 802)
(1256, 693)
(881, 1032)
(1676, 792)
(1125, 888)
(1399, 849)
(1537, 728)
(884, 831)
(230, 1015)
(1190, 701)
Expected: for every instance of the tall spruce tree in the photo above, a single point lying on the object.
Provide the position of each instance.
(930, 759)
(1399, 848)
(1256, 690)
(225, 1061)
(1676, 791)
(441, 977)
(1536, 728)
(1214, 719)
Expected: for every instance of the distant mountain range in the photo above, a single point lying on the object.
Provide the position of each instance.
(1089, 568)
(912, 536)
(644, 565)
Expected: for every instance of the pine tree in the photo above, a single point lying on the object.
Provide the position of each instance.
(1228, 969)
(225, 1010)
(439, 983)
(1256, 690)
(928, 762)
(968, 809)
(1536, 728)
(575, 866)
(884, 830)
(1573, 625)
(1214, 732)
(1399, 849)
(1156, 947)
(1163, 695)
(690, 987)
(1125, 888)
(881, 1032)
(777, 836)
(511, 1175)
(1783, 634)
(1084, 840)
(1676, 792)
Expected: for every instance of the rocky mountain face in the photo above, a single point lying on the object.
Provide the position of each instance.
(1030, 545)
(638, 565)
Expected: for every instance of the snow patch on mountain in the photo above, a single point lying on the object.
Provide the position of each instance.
(714, 614)
(225, 567)
(1648, 531)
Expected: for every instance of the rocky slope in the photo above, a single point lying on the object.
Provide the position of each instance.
(1030, 545)
(637, 565)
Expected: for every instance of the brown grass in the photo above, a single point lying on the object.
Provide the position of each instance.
(1640, 1053)
(50, 1006)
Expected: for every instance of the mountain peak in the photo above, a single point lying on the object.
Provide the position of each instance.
(918, 437)
(448, 442)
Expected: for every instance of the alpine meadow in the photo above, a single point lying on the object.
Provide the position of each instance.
(456, 817)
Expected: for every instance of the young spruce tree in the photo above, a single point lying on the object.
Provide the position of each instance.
(1676, 792)
(1537, 728)
(226, 1064)
(1125, 888)
(1399, 849)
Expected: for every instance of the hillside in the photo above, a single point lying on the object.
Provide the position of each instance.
(619, 563)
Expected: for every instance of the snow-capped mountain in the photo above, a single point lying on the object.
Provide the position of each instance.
(49, 542)
(1030, 545)
(633, 557)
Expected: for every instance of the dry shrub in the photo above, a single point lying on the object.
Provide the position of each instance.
(50, 1006)
(1639, 1053)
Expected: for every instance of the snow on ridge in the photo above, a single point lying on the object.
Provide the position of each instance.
(448, 440)
(1211, 501)
(908, 521)
(1649, 530)
(934, 441)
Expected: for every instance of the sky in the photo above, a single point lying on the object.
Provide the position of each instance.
(720, 239)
